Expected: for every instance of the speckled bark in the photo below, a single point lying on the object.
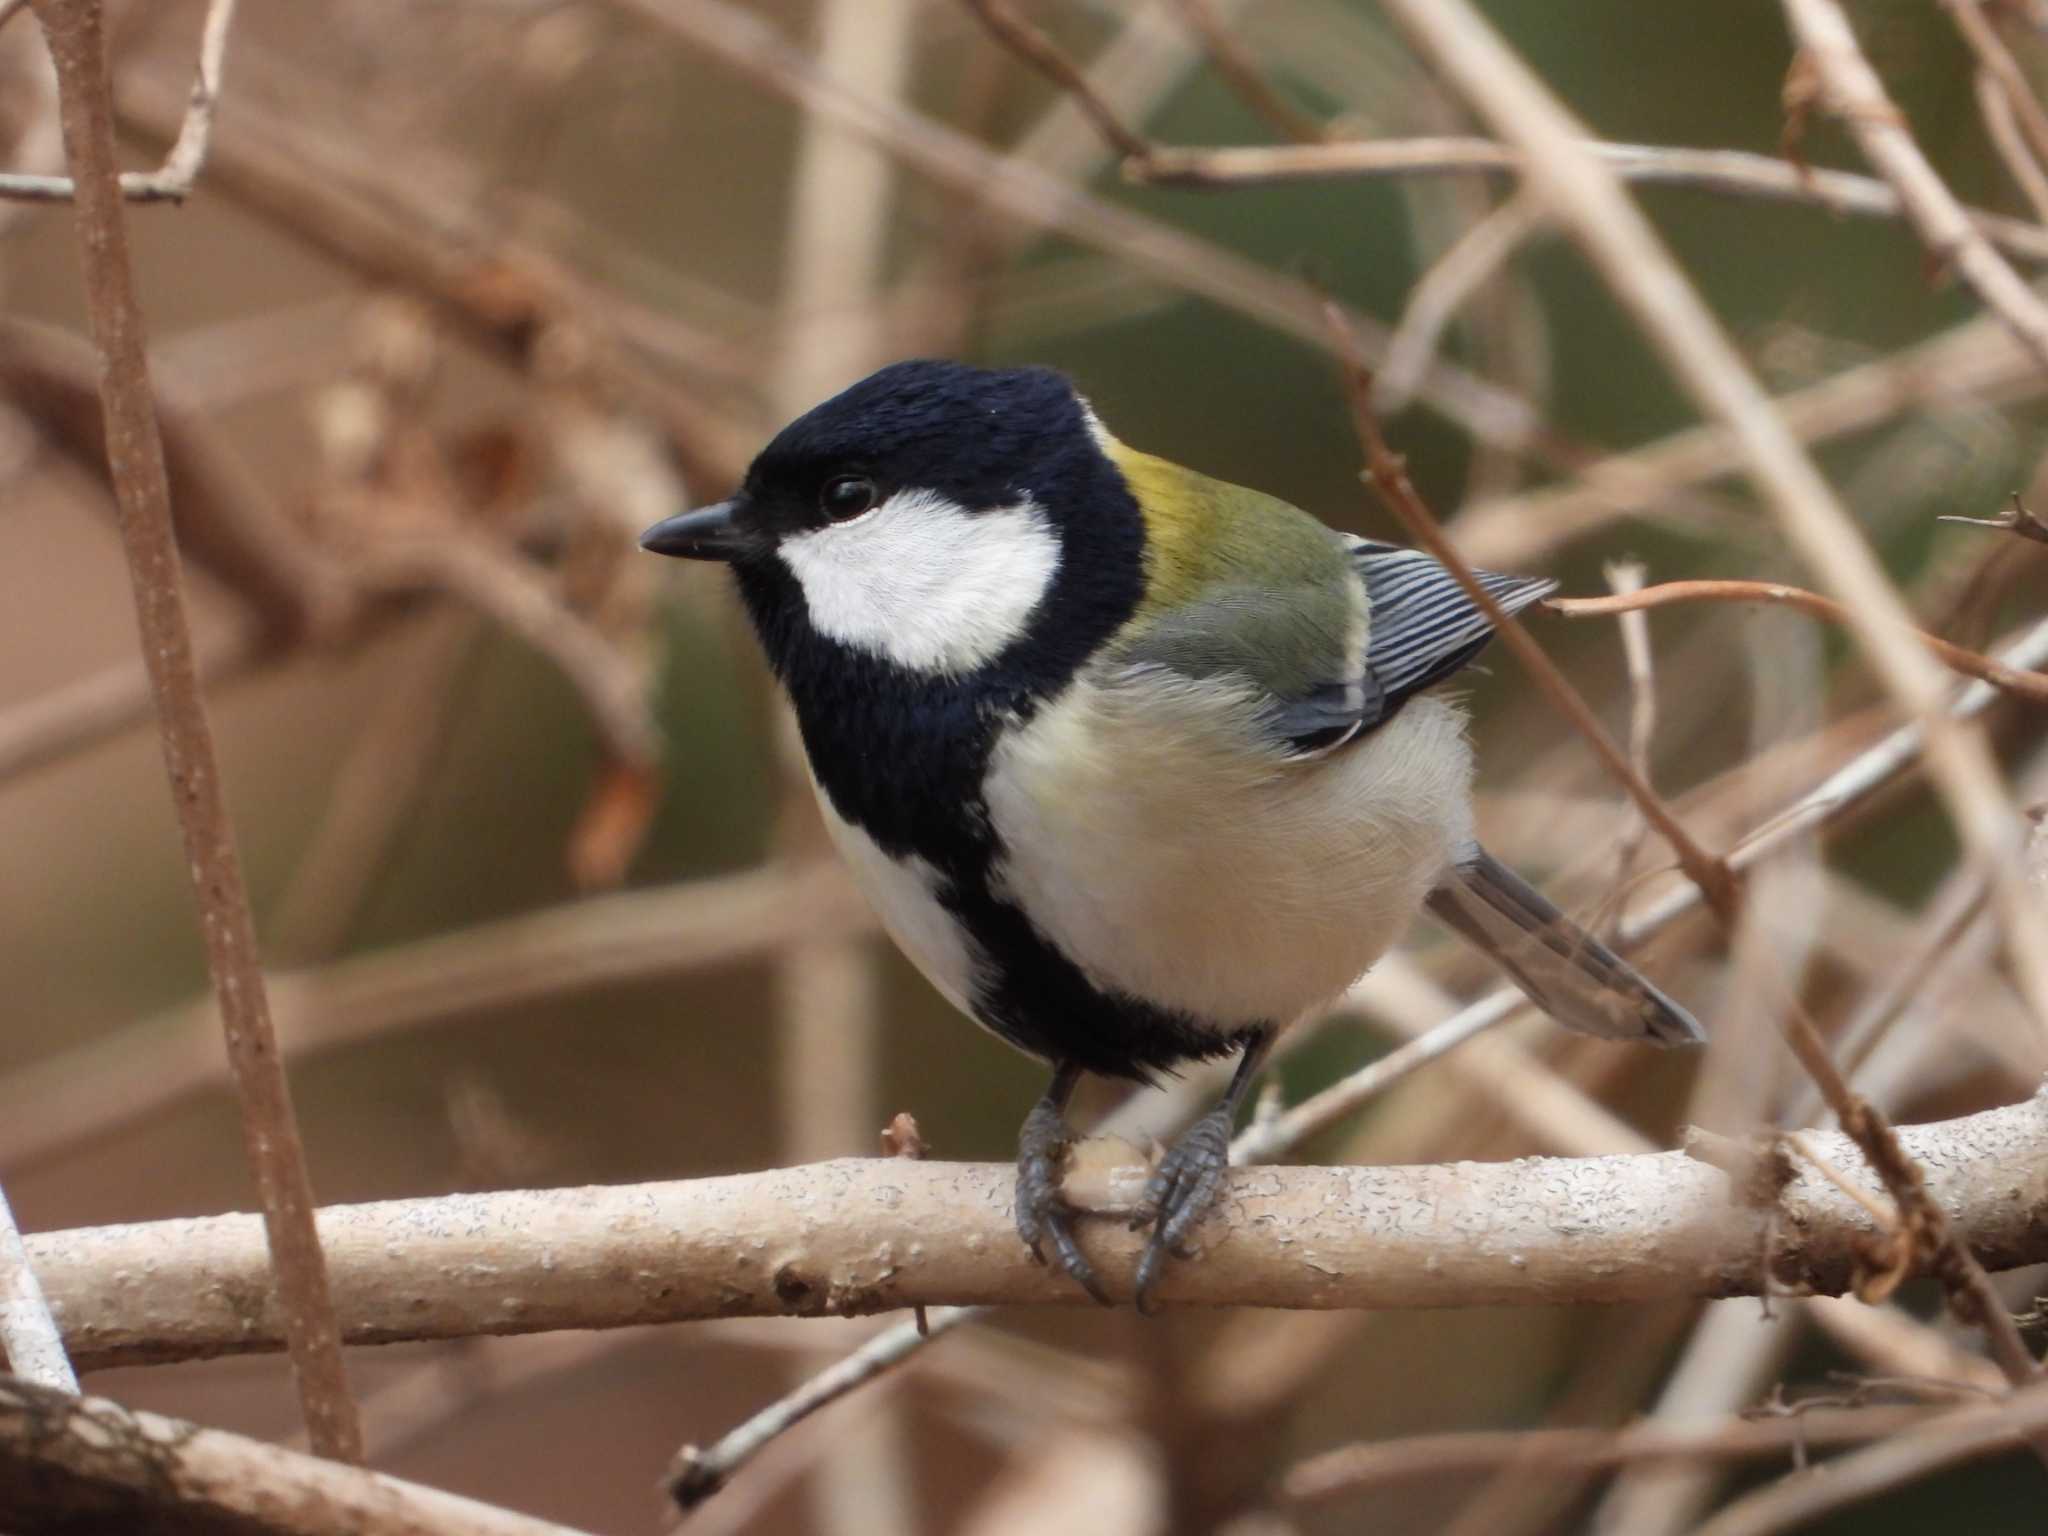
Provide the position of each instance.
(72, 1466)
(873, 1235)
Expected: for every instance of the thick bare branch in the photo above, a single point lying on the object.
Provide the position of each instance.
(71, 1464)
(879, 1234)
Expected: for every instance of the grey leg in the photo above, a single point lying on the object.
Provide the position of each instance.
(1187, 1181)
(1042, 1211)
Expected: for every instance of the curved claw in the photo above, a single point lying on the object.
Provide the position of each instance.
(1058, 1224)
(1042, 1211)
(1179, 1194)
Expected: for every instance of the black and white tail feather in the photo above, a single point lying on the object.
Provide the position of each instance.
(1425, 627)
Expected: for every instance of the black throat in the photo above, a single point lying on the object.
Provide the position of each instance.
(902, 754)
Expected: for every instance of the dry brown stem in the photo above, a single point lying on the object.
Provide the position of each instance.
(135, 456)
(71, 1464)
(1245, 77)
(1049, 59)
(880, 1234)
(1387, 475)
(2027, 685)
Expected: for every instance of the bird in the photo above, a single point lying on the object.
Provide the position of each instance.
(1137, 767)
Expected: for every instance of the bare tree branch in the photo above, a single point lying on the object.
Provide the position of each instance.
(135, 456)
(880, 1234)
(71, 1464)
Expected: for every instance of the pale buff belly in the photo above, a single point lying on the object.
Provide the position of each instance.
(1154, 838)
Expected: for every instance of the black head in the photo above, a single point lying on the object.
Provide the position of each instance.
(934, 517)
(981, 439)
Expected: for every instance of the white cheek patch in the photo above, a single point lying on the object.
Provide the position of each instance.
(925, 583)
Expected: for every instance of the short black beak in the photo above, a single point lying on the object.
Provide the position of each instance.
(708, 533)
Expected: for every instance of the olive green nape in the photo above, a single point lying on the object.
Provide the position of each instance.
(1210, 549)
(1201, 532)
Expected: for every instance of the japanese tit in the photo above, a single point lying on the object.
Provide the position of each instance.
(1138, 767)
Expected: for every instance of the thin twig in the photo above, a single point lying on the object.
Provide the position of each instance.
(1049, 59)
(1996, 63)
(1730, 172)
(30, 1341)
(142, 489)
(1963, 1435)
(1389, 477)
(1356, 1469)
(171, 182)
(1854, 93)
(1245, 77)
(2016, 518)
(2032, 686)
(70, 1464)
(697, 1472)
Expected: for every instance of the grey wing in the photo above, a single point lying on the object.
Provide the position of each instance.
(1424, 626)
(1302, 648)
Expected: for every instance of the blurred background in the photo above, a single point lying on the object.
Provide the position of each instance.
(473, 290)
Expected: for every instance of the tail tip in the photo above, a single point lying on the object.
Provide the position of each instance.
(1667, 1024)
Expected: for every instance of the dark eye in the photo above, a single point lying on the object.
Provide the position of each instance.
(846, 496)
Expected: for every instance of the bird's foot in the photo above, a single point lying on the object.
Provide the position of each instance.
(1042, 1210)
(1179, 1194)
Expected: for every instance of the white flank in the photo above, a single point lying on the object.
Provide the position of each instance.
(924, 582)
(902, 893)
(1171, 853)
